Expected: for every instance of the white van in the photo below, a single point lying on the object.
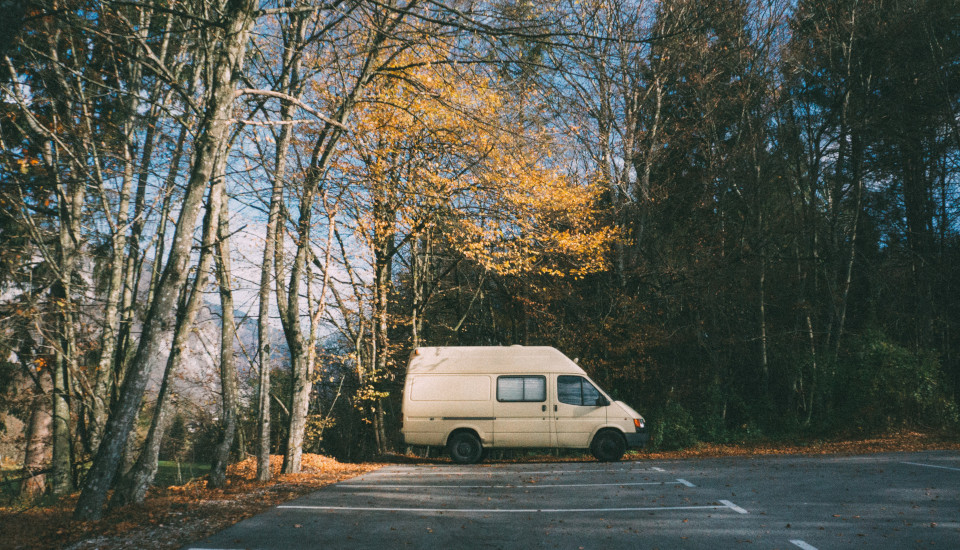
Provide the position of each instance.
(472, 398)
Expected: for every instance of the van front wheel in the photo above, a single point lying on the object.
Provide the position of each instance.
(465, 448)
(608, 446)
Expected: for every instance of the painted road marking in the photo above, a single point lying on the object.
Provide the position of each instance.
(724, 504)
(800, 544)
(655, 469)
(515, 472)
(933, 466)
(733, 507)
(515, 485)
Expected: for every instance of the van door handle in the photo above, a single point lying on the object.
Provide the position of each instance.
(543, 408)
(554, 408)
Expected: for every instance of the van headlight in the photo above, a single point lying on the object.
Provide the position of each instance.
(639, 423)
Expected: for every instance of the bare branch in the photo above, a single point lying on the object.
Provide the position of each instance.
(292, 99)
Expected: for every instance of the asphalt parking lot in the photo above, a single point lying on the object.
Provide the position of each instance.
(896, 500)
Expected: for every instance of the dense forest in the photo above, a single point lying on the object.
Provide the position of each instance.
(742, 216)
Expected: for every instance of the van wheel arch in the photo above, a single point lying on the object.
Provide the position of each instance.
(464, 446)
(608, 445)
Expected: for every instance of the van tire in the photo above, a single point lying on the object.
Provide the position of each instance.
(608, 446)
(465, 448)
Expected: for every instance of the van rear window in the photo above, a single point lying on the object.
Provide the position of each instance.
(521, 388)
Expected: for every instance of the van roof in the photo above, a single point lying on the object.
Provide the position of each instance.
(490, 359)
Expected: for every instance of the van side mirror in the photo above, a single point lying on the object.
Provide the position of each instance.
(602, 401)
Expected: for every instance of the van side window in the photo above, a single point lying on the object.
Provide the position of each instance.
(521, 388)
(575, 390)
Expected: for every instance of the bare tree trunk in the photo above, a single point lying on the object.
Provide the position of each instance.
(764, 363)
(305, 360)
(134, 261)
(649, 159)
(155, 271)
(323, 152)
(299, 405)
(605, 130)
(228, 330)
(61, 477)
(132, 486)
(111, 318)
(237, 20)
(417, 274)
(384, 249)
(37, 453)
(290, 84)
(71, 194)
(850, 260)
(263, 317)
(121, 264)
(302, 382)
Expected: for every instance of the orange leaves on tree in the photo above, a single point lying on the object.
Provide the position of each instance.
(436, 148)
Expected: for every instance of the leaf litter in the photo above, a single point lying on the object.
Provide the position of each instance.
(172, 517)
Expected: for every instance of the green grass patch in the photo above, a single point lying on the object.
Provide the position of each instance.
(170, 472)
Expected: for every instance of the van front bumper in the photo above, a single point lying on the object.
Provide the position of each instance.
(638, 439)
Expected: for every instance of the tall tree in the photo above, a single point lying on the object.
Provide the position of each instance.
(236, 21)
(228, 332)
(374, 51)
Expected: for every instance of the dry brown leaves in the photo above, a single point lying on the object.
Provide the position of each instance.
(906, 441)
(174, 516)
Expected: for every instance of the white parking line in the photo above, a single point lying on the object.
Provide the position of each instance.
(725, 504)
(933, 466)
(733, 507)
(499, 472)
(515, 485)
(800, 544)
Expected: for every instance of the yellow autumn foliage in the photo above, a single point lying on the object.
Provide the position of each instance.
(437, 148)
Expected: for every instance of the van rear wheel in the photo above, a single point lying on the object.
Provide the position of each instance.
(608, 446)
(465, 448)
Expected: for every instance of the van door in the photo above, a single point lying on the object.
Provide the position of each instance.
(521, 417)
(576, 413)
